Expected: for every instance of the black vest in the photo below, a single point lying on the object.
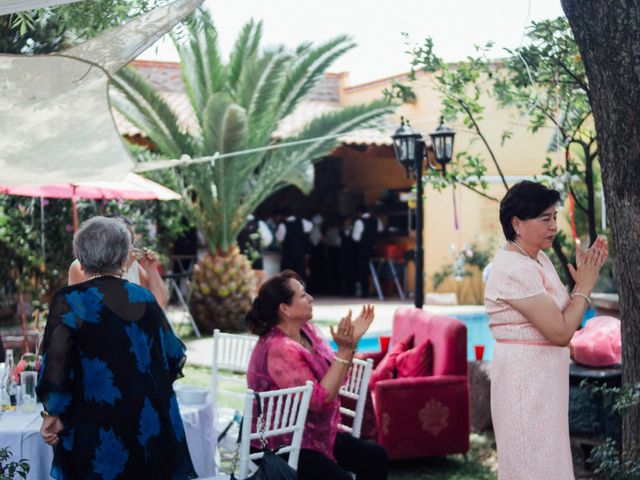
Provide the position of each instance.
(293, 243)
(369, 235)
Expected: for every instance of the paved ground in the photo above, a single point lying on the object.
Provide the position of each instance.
(328, 310)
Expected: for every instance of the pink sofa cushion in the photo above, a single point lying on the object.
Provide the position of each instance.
(416, 362)
(448, 335)
(386, 369)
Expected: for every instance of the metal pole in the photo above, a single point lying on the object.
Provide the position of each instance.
(419, 294)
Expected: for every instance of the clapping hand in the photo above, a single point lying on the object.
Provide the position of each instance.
(589, 264)
(600, 245)
(343, 335)
(363, 322)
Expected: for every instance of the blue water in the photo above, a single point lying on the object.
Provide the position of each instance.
(478, 333)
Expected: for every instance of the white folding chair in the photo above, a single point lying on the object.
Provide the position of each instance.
(231, 354)
(356, 389)
(283, 411)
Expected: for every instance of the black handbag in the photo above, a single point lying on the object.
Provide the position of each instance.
(271, 466)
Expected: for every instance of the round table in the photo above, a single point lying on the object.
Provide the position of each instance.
(21, 433)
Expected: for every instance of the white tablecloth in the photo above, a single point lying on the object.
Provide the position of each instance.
(21, 433)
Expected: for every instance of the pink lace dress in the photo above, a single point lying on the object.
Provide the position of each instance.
(278, 361)
(529, 375)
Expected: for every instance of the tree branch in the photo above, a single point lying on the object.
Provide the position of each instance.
(484, 140)
(479, 192)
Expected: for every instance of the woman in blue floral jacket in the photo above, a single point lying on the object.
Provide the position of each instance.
(110, 359)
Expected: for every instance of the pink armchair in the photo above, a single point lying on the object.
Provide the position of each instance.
(426, 416)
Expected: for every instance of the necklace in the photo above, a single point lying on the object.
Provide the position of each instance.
(92, 277)
(303, 340)
(523, 251)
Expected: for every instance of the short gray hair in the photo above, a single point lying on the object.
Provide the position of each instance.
(102, 245)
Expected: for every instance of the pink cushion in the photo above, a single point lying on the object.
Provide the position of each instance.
(599, 343)
(417, 362)
(386, 369)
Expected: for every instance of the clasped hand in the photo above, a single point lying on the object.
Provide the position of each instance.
(589, 263)
(349, 332)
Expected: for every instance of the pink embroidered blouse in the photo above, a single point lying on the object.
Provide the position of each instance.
(278, 361)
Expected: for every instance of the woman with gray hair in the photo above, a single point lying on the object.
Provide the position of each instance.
(141, 267)
(110, 359)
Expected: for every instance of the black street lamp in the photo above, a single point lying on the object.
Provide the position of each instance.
(410, 151)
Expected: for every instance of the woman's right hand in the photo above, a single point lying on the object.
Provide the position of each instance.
(588, 270)
(343, 335)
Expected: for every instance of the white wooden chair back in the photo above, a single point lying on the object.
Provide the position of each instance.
(283, 411)
(231, 353)
(356, 389)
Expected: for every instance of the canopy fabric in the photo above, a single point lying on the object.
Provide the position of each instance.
(55, 117)
(13, 6)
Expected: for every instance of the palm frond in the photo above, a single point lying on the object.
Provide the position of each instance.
(301, 177)
(312, 64)
(201, 64)
(264, 104)
(224, 125)
(147, 110)
(282, 162)
(251, 74)
(244, 48)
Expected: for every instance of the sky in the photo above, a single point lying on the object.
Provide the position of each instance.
(377, 26)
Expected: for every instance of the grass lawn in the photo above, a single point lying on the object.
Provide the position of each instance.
(480, 463)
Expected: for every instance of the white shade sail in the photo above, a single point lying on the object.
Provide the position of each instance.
(13, 6)
(56, 124)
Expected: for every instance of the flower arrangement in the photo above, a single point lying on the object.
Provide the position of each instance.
(28, 362)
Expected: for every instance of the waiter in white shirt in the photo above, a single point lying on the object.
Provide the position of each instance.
(291, 234)
(365, 235)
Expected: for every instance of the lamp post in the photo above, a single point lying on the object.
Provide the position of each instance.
(410, 150)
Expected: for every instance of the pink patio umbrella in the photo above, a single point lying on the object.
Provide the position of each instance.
(133, 187)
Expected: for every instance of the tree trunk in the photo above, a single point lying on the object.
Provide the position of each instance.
(608, 35)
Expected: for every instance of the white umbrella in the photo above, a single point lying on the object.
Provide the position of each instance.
(13, 6)
(55, 116)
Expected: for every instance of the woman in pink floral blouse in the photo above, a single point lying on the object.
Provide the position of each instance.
(291, 350)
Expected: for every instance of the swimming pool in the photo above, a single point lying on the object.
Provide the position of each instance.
(478, 333)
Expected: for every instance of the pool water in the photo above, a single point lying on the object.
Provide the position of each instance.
(478, 333)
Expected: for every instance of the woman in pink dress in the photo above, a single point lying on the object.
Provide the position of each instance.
(291, 351)
(532, 318)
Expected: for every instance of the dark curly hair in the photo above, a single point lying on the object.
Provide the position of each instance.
(263, 315)
(525, 200)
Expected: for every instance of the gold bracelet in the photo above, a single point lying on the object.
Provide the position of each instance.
(342, 360)
(586, 298)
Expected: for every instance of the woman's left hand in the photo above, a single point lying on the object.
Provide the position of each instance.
(363, 322)
(51, 427)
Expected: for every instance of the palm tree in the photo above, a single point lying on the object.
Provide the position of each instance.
(238, 106)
